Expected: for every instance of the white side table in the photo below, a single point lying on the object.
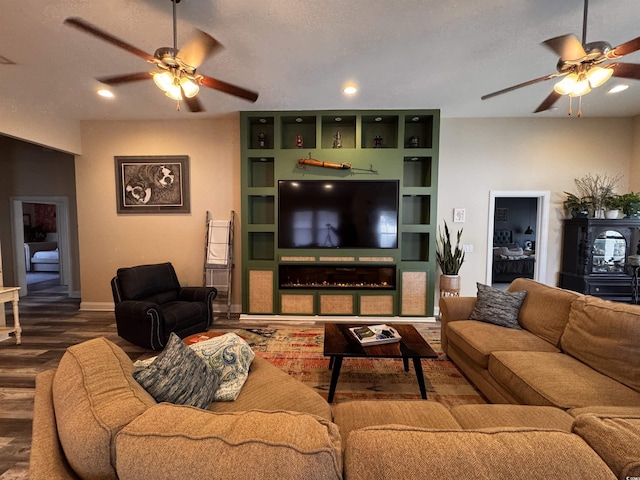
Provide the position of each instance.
(10, 294)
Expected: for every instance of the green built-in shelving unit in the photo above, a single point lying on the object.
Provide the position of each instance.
(399, 145)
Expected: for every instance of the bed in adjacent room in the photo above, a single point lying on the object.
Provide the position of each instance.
(510, 261)
(42, 257)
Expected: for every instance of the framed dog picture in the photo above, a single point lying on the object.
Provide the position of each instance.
(146, 185)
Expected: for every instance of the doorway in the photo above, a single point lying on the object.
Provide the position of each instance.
(517, 236)
(62, 238)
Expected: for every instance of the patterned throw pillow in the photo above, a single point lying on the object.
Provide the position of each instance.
(230, 356)
(179, 376)
(498, 307)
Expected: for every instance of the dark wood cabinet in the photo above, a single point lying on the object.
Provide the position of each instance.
(595, 256)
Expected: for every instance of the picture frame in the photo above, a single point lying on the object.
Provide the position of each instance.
(459, 215)
(501, 215)
(152, 184)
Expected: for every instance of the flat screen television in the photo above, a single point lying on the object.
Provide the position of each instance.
(338, 213)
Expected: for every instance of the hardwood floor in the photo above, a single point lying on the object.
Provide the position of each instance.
(50, 324)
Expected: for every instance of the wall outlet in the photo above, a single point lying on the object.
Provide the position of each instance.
(467, 248)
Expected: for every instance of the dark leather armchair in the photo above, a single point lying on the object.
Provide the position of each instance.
(150, 304)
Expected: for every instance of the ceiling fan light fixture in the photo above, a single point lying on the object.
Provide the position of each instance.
(164, 80)
(174, 92)
(189, 87)
(597, 76)
(567, 84)
(581, 88)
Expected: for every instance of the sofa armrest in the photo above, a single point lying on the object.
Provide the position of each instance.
(47, 461)
(452, 309)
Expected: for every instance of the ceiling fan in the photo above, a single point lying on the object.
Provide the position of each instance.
(583, 65)
(176, 69)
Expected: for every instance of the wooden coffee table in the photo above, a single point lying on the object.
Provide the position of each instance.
(340, 343)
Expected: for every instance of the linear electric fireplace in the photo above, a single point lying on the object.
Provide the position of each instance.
(338, 276)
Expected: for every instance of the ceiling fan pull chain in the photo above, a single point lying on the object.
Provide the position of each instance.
(580, 107)
(570, 110)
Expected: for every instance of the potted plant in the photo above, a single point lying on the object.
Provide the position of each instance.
(630, 204)
(595, 189)
(612, 206)
(449, 258)
(578, 207)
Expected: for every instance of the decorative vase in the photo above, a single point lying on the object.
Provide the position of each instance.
(449, 285)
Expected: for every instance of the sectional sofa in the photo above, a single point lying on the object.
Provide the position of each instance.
(568, 350)
(92, 420)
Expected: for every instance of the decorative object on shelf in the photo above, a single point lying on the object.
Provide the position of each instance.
(449, 258)
(152, 184)
(299, 141)
(594, 191)
(303, 162)
(337, 140)
(414, 141)
(262, 140)
(377, 141)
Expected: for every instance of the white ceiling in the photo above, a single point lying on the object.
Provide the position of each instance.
(299, 54)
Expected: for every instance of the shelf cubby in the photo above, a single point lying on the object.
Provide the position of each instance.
(416, 172)
(261, 173)
(261, 132)
(415, 209)
(345, 124)
(261, 246)
(418, 131)
(381, 127)
(261, 210)
(415, 247)
(302, 125)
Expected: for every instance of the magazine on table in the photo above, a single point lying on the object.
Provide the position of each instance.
(375, 334)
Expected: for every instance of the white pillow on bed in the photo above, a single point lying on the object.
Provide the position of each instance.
(508, 252)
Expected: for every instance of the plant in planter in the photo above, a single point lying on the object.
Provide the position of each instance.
(612, 206)
(449, 258)
(596, 189)
(630, 204)
(578, 207)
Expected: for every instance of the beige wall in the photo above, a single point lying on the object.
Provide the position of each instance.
(109, 241)
(477, 155)
(480, 155)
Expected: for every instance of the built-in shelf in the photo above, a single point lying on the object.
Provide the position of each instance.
(379, 131)
(417, 172)
(338, 131)
(261, 172)
(418, 131)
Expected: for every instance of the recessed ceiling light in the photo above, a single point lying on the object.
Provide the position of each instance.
(619, 88)
(350, 90)
(378, 119)
(415, 119)
(338, 119)
(299, 120)
(263, 120)
(105, 93)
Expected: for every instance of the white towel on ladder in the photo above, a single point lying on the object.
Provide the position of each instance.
(218, 247)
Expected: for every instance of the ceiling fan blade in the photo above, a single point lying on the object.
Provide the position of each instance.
(548, 102)
(227, 88)
(193, 103)
(626, 70)
(93, 30)
(624, 48)
(568, 47)
(131, 77)
(525, 84)
(198, 49)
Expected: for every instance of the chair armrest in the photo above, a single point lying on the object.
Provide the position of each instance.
(452, 309)
(140, 323)
(197, 294)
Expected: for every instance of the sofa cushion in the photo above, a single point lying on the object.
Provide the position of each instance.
(269, 388)
(170, 441)
(504, 415)
(357, 414)
(558, 380)
(230, 357)
(605, 335)
(478, 339)
(94, 396)
(615, 439)
(497, 307)
(395, 451)
(545, 310)
(178, 375)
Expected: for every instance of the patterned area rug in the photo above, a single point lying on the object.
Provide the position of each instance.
(298, 351)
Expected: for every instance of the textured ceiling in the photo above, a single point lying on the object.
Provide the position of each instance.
(299, 55)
